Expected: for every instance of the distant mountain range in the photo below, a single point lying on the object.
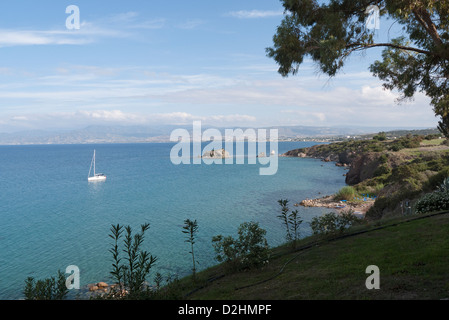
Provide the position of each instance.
(141, 134)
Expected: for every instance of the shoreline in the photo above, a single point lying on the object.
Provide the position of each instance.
(360, 208)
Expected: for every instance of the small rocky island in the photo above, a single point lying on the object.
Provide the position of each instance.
(216, 154)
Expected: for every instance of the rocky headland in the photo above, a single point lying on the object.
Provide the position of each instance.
(397, 171)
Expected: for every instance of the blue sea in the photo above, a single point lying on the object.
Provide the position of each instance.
(51, 217)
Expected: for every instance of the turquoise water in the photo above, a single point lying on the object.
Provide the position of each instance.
(51, 217)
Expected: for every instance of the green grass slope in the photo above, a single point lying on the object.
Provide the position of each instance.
(412, 255)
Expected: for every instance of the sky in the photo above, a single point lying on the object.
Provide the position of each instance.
(151, 62)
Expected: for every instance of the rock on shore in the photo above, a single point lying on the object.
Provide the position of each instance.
(359, 208)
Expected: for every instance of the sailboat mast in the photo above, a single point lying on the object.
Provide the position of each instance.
(94, 163)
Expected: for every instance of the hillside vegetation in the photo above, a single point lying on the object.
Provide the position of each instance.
(398, 171)
(411, 255)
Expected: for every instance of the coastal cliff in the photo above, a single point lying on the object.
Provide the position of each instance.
(395, 171)
(361, 166)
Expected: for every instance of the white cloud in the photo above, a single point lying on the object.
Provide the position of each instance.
(307, 117)
(132, 95)
(131, 20)
(157, 23)
(24, 38)
(19, 118)
(82, 118)
(251, 14)
(88, 33)
(161, 118)
(110, 115)
(191, 24)
(123, 17)
(119, 25)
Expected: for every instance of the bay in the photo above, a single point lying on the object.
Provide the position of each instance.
(51, 217)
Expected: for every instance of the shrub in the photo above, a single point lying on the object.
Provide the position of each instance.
(435, 201)
(249, 250)
(444, 186)
(130, 276)
(346, 193)
(397, 147)
(436, 164)
(381, 170)
(376, 147)
(332, 223)
(190, 228)
(408, 141)
(383, 158)
(436, 180)
(412, 142)
(166, 288)
(378, 188)
(382, 136)
(432, 136)
(47, 289)
(400, 173)
(291, 221)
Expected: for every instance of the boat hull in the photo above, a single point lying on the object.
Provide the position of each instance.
(95, 179)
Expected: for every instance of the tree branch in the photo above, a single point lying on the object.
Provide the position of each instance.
(425, 20)
(391, 45)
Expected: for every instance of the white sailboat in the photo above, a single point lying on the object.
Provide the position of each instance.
(96, 176)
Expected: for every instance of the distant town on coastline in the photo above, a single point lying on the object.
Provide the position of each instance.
(160, 134)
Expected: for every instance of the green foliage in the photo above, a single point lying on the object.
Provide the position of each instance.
(391, 201)
(132, 274)
(381, 170)
(249, 250)
(383, 158)
(166, 288)
(396, 147)
(443, 124)
(436, 180)
(372, 190)
(444, 187)
(376, 147)
(190, 228)
(346, 193)
(382, 136)
(407, 171)
(291, 222)
(400, 176)
(47, 289)
(432, 136)
(435, 201)
(328, 32)
(407, 142)
(332, 223)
